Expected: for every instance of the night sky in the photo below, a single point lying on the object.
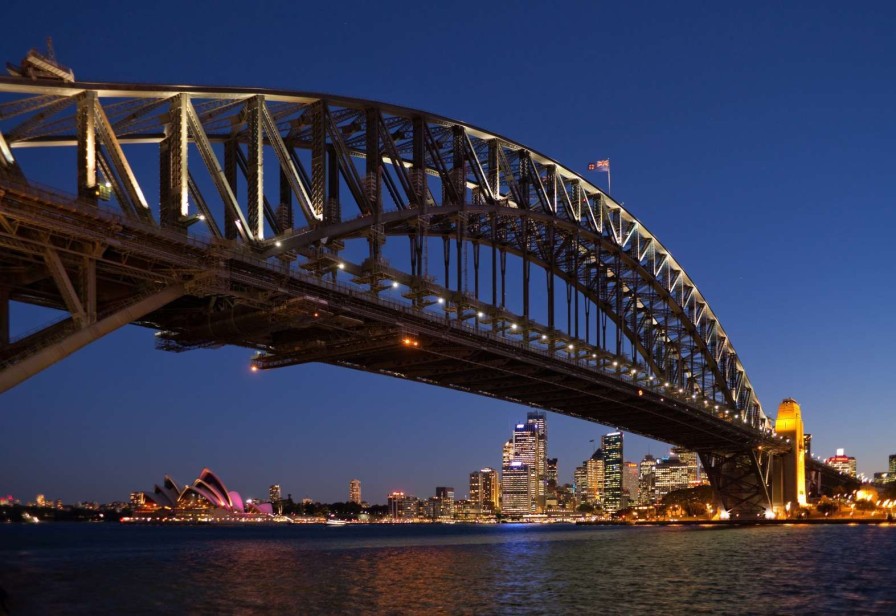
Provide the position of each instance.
(755, 141)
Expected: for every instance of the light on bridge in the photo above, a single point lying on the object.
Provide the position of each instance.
(278, 243)
(253, 368)
(394, 284)
(342, 266)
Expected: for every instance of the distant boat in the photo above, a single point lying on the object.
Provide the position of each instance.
(334, 522)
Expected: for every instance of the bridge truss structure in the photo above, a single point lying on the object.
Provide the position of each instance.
(315, 228)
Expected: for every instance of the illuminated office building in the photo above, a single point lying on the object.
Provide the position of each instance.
(551, 476)
(275, 498)
(354, 491)
(647, 480)
(612, 447)
(692, 461)
(670, 474)
(538, 419)
(843, 463)
(445, 502)
(484, 492)
(629, 484)
(517, 497)
(402, 507)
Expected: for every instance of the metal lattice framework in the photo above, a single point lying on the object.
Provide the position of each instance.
(339, 266)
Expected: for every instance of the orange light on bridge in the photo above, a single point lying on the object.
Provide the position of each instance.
(253, 368)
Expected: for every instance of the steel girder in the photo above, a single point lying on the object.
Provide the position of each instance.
(477, 192)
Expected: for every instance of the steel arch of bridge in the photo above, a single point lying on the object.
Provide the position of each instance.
(352, 171)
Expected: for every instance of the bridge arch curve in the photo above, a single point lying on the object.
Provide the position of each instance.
(358, 170)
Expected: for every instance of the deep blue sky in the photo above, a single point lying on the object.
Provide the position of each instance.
(756, 141)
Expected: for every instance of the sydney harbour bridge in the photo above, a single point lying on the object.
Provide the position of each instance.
(316, 228)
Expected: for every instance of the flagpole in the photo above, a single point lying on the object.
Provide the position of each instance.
(609, 182)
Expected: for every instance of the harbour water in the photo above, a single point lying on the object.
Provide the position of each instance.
(446, 569)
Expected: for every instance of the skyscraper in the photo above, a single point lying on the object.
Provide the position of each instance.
(539, 420)
(590, 478)
(484, 490)
(445, 500)
(516, 489)
(892, 469)
(612, 446)
(354, 491)
(689, 458)
(551, 476)
(276, 498)
(646, 480)
(671, 474)
(629, 484)
(507, 453)
(525, 450)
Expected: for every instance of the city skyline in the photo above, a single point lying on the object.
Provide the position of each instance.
(746, 154)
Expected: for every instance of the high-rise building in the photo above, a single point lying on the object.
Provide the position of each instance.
(629, 484)
(402, 506)
(539, 420)
(612, 446)
(276, 498)
(551, 476)
(647, 480)
(41, 500)
(590, 479)
(525, 450)
(484, 490)
(892, 469)
(580, 483)
(516, 489)
(843, 463)
(445, 500)
(354, 491)
(507, 453)
(691, 460)
(670, 474)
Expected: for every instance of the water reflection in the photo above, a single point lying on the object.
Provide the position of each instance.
(81, 569)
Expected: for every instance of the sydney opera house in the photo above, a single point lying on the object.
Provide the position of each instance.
(206, 499)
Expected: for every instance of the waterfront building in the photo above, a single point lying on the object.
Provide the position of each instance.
(646, 480)
(484, 493)
(843, 463)
(207, 498)
(612, 449)
(670, 474)
(892, 469)
(41, 500)
(354, 491)
(137, 500)
(517, 496)
(402, 507)
(445, 502)
(629, 484)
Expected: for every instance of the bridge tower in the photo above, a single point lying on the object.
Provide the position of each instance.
(789, 481)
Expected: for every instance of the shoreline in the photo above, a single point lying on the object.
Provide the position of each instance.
(757, 522)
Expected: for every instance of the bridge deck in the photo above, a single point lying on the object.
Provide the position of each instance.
(294, 317)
